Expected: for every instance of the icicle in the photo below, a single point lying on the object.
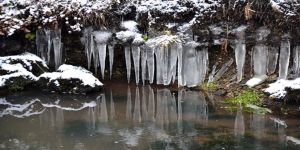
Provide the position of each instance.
(173, 62)
(128, 61)
(240, 52)
(136, 55)
(259, 58)
(101, 39)
(180, 66)
(159, 64)
(296, 62)
(41, 43)
(111, 59)
(144, 65)
(88, 44)
(194, 67)
(57, 47)
(49, 42)
(272, 59)
(102, 57)
(150, 64)
(284, 58)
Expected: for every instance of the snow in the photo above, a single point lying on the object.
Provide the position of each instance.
(277, 89)
(73, 72)
(130, 25)
(256, 80)
(293, 139)
(14, 69)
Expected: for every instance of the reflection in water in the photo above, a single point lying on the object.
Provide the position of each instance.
(239, 125)
(146, 119)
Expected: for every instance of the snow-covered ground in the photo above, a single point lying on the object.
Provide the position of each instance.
(72, 72)
(278, 89)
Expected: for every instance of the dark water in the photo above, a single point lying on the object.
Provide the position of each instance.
(133, 117)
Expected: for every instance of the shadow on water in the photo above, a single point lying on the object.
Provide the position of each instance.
(135, 117)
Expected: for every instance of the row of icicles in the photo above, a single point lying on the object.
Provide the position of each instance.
(175, 60)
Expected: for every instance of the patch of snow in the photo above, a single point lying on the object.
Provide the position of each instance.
(277, 89)
(130, 25)
(102, 36)
(293, 139)
(73, 72)
(256, 80)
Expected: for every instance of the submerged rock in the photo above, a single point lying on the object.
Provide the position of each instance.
(70, 79)
(18, 71)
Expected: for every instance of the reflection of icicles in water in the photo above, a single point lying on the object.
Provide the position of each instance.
(128, 61)
(137, 107)
(35, 107)
(44, 40)
(128, 105)
(136, 55)
(284, 58)
(112, 107)
(131, 137)
(272, 59)
(103, 116)
(240, 51)
(239, 125)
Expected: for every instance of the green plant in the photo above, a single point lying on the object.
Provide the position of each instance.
(209, 86)
(145, 37)
(30, 36)
(245, 97)
(250, 100)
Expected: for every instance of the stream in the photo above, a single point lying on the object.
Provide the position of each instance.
(126, 116)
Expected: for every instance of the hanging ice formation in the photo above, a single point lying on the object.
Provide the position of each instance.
(96, 48)
(284, 58)
(272, 59)
(240, 51)
(45, 38)
(296, 61)
(259, 58)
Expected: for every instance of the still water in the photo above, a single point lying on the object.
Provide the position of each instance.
(137, 117)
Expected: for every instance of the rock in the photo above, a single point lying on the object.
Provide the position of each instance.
(70, 79)
(220, 92)
(16, 72)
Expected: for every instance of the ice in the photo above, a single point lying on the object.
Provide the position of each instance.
(296, 61)
(88, 44)
(159, 52)
(272, 59)
(144, 64)
(194, 65)
(284, 58)
(111, 59)
(101, 39)
(240, 51)
(102, 57)
(259, 58)
(57, 47)
(150, 64)
(45, 38)
(136, 55)
(128, 61)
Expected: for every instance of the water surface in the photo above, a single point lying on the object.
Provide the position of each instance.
(137, 117)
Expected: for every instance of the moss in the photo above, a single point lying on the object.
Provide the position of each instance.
(145, 37)
(30, 36)
(18, 84)
(246, 97)
(209, 86)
